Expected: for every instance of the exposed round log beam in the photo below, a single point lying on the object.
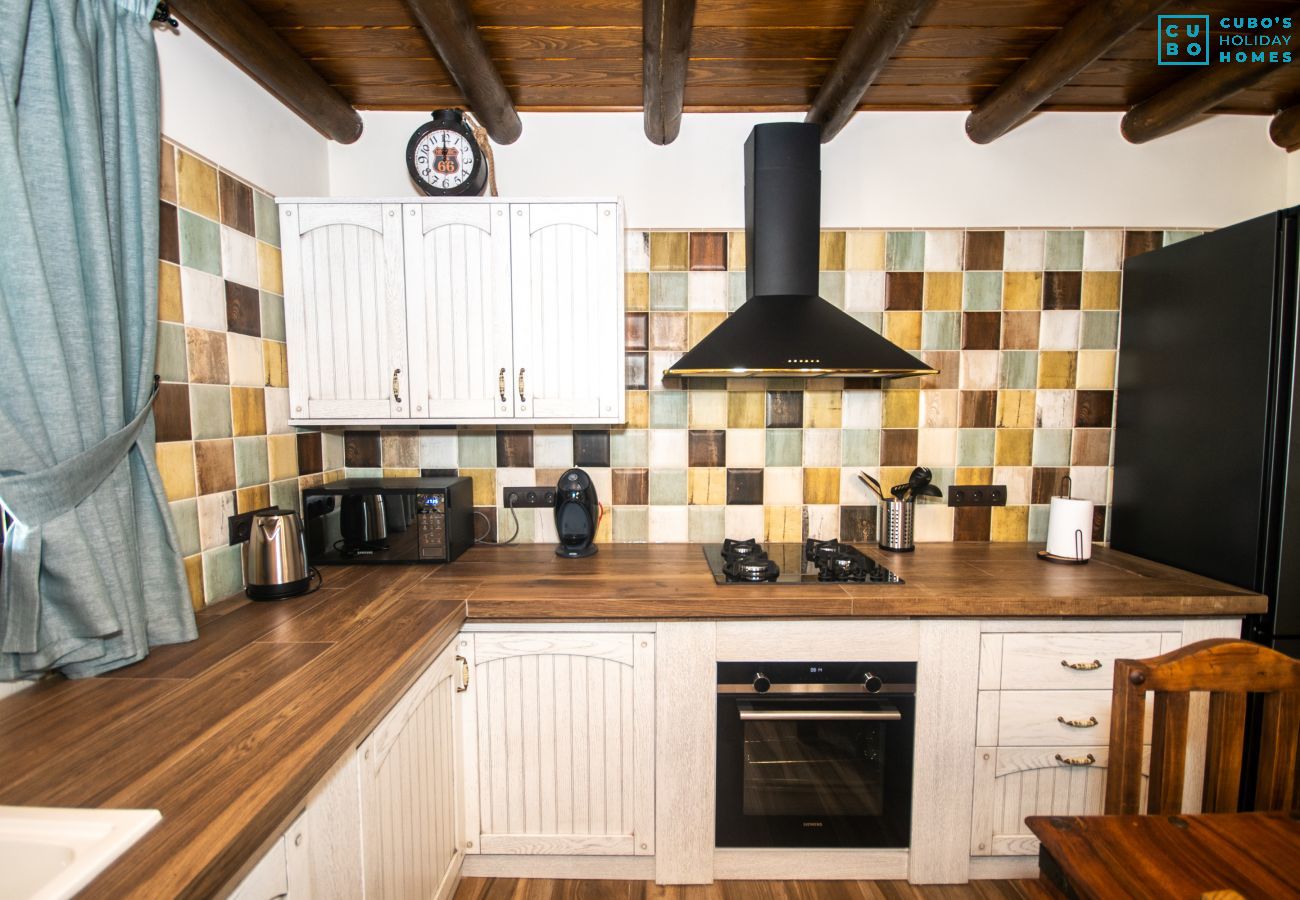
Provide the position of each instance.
(665, 46)
(1187, 99)
(1285, 128)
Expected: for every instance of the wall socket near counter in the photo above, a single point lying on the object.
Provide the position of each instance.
(541, 497)
(977, 495)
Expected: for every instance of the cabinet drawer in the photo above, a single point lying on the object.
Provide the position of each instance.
(269, 879)
(1033, 718)
(1072, 661)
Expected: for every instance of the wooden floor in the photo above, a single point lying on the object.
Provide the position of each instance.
(544, 889)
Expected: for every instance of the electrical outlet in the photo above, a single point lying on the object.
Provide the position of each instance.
(977, 495)
(528, 497)
(241, 525)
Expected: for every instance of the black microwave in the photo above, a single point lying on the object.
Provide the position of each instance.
(388, 520)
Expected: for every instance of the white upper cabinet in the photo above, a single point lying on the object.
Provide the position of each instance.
(346, 322)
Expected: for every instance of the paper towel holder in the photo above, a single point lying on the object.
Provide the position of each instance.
(1066, 488)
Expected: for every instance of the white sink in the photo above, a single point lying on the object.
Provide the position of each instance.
(50, 854)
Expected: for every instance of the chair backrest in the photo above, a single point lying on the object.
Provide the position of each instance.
(1228, 670)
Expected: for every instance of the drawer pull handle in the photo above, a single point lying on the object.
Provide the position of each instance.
(1090, 722)
(1076, 760)
(464, 674)
(1082, 667)
(501, 384)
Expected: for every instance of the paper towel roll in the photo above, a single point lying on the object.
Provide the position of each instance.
(1069, 528)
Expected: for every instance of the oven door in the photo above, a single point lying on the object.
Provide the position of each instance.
(824, 771)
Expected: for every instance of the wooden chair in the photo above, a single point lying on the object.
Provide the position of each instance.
(1229, 670)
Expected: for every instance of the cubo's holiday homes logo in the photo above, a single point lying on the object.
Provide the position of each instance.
(1195, 40)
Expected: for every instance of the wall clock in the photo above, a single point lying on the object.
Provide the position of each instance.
(445, 158)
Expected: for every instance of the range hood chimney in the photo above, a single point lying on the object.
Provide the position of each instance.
(784, 328)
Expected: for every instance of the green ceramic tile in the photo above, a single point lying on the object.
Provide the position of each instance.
(873, 319)
(668, 409)
(285, 495)
(266, 217)
(667, 487)
(940, 331)
(171, 353)
(830, 286)
(905, 251)
(1064, 250)
(521, 525)
(982, 291)
(250, 461)
(223, 574)
(272, 316)
(942, 478)
(209, 411)
(631, 524)
(705, 524)
(735, 290)
(1019, 370)
(1099, 331)
(629, 449)
(363, 472)
(185, 516)
(975, 447)
(1173, 237)
(1052, 446)
(668, 290)
(476, 449)
(860, 447)
(1038, 523)
(784, 446)
(200, 243)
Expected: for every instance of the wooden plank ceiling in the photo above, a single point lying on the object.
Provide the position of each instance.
(745, 54)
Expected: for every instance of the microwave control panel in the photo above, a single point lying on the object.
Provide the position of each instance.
(431, 514)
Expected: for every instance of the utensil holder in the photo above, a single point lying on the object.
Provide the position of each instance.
(897, 519)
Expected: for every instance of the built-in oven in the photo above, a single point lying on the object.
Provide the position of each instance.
(815, 754)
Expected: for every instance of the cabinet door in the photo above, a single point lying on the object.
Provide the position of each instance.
(269, 878)
(458, 310)
(560, 749)
(411, 808)
(345, 310)
(568, 310)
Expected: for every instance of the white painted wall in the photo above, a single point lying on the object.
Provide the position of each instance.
(884, 170)
(1293, 178)
(211, 107)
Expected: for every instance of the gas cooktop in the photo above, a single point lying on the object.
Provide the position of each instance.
(813, 562)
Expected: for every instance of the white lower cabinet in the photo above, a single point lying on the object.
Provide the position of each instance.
(559, 743)
(269, 879)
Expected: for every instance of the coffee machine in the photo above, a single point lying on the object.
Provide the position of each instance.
(577, 513)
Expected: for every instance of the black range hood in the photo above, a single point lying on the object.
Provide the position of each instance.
(784, 328)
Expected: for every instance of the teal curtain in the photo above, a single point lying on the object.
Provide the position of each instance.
(91, 575)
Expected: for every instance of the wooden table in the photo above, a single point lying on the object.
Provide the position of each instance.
(1254, 854)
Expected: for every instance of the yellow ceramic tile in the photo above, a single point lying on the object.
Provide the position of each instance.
(668, 251)
(904, 329)
(707, 409)
(167, 172)
(783, 524)
(865, 250)
(700, 324)
(282, 457)
(196, 185)
(276, 363)
(248, 412)
(485, 485)
(736, 250)
(974, 475)
(604, 529)
(637, 407)
(251, 498)
(169, 292)
(403, 473)
(194, 577)
(902, 409)
(832, 251)
(821, 485)
(1016, 409)
(1100, 290)
(1009, 523)
(745, 409)
(1013, 446)
(892, 475)
(269, 276)
(823, 409)
(636, 291)
(1096, 370)
(707, 487)
(1022, 290)
(176, 466)
(1056, 369)
(941, 291)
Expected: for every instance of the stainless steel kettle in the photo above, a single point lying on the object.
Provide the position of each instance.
(275, 560)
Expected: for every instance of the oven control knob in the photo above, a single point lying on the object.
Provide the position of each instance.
(872, 683)
(762, 683)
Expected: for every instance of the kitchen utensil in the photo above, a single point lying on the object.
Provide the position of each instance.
(897, 518)
(275, 560)
(929, 490)
(900, 490)
(873, 484)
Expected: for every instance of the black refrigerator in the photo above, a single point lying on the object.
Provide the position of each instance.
(1207, 427)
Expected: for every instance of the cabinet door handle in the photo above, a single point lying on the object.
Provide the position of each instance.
(501, 384)
(521, 387)
(397, 385)
(1083, 666)
(1076, 760)
(1090, 722)
(464, 673)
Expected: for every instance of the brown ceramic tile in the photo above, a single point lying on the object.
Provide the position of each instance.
(399, 449)
(667, 331)
(1136, 242)
(1091, 447)
(236, 204)
(167, 171)
(248, 410)
(1020, 330)
(898, 447)
(984, 250)
(631, 487)
(971, 523)
(243, 309)
(745, 487)
(488, 531)
(515, 449)
(981, 330)
(858, 524)
(709, 251)
(707, 449)
(904, 290)
(214, 466)
(311, 454)
(362, 450)
(635, 334)
(784, 409)
(591, 447)
(1093, 409)
(1062, 290)
(169, 236)
(1099, 523)
(637, 365)
(1046, 483)
(206, 354)
(948, 362)
(171, 410)
(978, 409)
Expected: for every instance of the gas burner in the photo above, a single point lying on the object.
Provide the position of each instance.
(852, 566)
(751, 568)
(736, 550)
(822, 551)
(813, 562)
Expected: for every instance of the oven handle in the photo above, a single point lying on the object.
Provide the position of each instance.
(886, 714)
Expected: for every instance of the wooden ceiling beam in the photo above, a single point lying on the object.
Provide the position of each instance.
(243, 38)
(665, 47)
(450, 27)
(881, 26)
(1090, 33)
(1285, 128)
(1184, 101)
